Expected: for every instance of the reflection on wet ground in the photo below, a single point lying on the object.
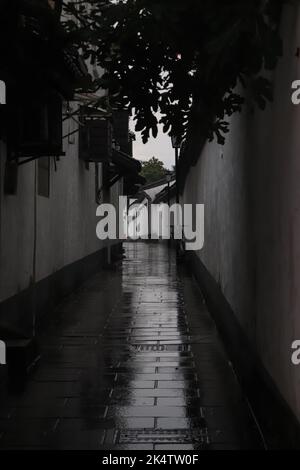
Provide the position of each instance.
(131, 361)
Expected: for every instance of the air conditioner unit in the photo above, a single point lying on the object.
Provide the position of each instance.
(95, 140)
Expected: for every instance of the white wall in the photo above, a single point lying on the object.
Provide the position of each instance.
(16, 232)
(251, 192)
(64, 227)
(67, 220)
(2, 92)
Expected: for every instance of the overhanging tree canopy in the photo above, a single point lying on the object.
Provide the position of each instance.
(184, 58)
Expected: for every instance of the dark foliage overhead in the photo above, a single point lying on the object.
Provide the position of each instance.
(183, 58)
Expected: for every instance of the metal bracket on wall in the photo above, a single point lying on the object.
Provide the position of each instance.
(31, 159)
(113, 181)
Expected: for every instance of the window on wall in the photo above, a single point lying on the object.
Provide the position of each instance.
(44, 176)
(34, 126)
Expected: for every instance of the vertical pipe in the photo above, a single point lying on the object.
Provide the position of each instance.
(34, 250)
(176, 173)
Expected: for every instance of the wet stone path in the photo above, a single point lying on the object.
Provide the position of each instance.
(131, 361)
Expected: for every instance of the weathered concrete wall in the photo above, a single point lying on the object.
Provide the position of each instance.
(17, 231)
(39, 235)
(251, 193)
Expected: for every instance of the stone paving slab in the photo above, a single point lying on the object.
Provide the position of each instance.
(132, 360)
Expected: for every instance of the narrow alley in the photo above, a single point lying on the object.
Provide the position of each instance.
(132, 360)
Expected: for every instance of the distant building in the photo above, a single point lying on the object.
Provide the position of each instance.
(147, 224)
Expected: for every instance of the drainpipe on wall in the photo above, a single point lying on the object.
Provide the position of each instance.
(34, 250)
(176, 173)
